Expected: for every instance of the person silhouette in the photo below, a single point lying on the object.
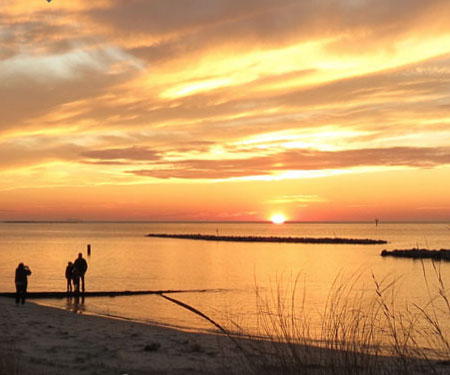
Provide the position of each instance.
(69, 276)
(21, 280)
(76, 279)
(80, 267)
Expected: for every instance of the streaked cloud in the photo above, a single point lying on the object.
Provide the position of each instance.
(300, 160)
(298, 198)
(132, 153)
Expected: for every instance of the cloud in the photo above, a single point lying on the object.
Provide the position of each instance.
(392, 109)
(173, 29)
(36, 150)
(38, 36)
(298, 198)
(434, 208)
(130, 154)
(58, 67)
(33, 86)
(365, 97)
(80, 67)
(299, 160)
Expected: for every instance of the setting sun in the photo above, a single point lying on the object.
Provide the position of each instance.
(278, 219)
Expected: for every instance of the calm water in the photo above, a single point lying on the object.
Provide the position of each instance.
(124, 259)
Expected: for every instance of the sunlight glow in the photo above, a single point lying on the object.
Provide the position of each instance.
(278, 219)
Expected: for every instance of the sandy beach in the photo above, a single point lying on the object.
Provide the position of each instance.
(44, 340)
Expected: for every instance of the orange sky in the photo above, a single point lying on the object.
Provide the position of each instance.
(224, 110)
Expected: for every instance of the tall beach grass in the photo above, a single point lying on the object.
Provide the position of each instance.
(361, 329)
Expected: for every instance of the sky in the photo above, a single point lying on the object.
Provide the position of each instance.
(225, 110)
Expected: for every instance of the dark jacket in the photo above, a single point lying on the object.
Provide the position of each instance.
(69, 271)
(22, 274)
(81, 265)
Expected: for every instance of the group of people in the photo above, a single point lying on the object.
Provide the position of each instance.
(75, 273)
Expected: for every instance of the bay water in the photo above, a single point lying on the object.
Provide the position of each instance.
(222, 277)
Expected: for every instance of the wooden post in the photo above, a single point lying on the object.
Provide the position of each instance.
(89, 249)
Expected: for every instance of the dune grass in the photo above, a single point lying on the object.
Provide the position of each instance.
(361, 330)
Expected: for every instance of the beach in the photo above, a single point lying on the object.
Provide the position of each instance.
(44, 340)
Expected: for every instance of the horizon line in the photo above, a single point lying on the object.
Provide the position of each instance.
(80, 221)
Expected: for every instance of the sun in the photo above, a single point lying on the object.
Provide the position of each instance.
(278, 219)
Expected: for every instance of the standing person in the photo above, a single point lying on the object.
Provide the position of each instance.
(81, 266)
(76, 279)
(21, 280)
(69, 276)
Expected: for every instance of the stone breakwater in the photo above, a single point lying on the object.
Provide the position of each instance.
(312, 240)
(442, 254)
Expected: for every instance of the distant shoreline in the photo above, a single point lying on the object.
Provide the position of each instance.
(81, 221)
(310, 240)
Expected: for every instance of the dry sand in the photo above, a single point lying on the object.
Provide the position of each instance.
(46, 340)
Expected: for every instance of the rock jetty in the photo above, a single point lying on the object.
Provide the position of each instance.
(442, 254)
(312, 240)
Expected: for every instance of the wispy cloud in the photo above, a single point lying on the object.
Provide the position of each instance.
(298, 198)
(298, 160)
(132, 153)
